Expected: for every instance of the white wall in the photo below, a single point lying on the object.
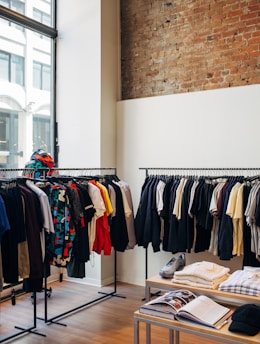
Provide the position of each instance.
(87, 82)
(79, 82)
(87, 89)
(218, 128)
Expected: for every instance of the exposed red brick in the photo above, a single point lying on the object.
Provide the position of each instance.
(178, 46)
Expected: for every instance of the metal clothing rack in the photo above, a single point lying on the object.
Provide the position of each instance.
(31, 329)
(84, 305)
(196, 171)
(23, 331)
(83, 172)
(6, 174)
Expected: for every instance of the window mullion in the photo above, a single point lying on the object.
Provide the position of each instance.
(29, 23)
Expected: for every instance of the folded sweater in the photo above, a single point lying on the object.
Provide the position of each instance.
(200, 282)
(207, 271)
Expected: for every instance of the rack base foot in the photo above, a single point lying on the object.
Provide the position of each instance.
(52, 321)
(23, 332)
(112, 294)
(33, 330)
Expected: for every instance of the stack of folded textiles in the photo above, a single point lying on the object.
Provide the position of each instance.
(202, 274)
(246, 281)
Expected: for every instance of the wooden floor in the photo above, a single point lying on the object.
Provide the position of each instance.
(109, 321)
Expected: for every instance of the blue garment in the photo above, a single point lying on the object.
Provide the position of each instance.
(4, 222)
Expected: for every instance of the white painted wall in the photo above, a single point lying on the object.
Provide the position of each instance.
(87, 89)
(79, 82)
(216, 128)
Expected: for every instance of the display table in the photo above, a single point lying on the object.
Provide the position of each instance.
(235, 299)
(175, 327)
(232, 300)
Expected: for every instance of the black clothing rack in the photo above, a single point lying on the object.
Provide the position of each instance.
(84, 172)
(112, 171)
(196, 171)
(12, 174)
(31, 329)
(84, 305)
(4, 176)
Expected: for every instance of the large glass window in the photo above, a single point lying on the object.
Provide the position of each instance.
(27, 55)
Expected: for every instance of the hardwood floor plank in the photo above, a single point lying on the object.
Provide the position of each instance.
(107, 322)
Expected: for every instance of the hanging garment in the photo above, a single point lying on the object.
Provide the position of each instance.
(100, 209)
(118, 226)
(147, 220)
(213, 208)
(186, 233)
(165, 214)
(141, 214)
(15, 257)
(4, 222)
(129, 212)
(102, 242)
(203, 217)
(33, 223)
(63, 224)
(4, 227)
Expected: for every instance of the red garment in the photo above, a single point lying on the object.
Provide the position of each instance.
(102, 240)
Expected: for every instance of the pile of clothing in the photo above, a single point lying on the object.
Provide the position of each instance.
(246, 281)
(202, 274)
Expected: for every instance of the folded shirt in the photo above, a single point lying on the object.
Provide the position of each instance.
(245, 281)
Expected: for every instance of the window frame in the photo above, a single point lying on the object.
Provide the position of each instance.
(29, 23)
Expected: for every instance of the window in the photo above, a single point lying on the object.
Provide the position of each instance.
(17, 6)
(27, 79)
(12, 68)
(4, 66)
(41, 76)
(41, 132)
(8, 134)
(42, 17)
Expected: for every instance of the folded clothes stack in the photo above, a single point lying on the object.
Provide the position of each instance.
(246, 281)
(202, 274)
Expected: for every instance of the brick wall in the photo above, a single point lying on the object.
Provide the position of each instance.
(177, 46)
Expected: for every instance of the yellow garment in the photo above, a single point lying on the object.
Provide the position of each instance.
(239, 218)
(108, 204)
(231, 208)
